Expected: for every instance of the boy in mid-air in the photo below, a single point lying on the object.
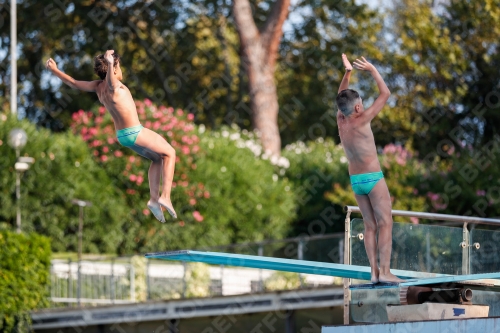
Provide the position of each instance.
(117, 99)
(367, 180)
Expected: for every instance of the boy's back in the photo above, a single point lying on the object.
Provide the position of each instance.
(358, 143)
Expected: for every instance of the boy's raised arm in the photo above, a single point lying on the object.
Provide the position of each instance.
(111, 80)
(90, 86)
(379, 103)
(347, 76)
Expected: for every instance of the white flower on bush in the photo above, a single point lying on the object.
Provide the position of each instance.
(234, 136)
(283, 162)
(225, 134)
(343, 159)
(274, 160)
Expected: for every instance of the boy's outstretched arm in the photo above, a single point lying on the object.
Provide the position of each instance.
(111, 80)
(379, 103)
(90, 86)
(347, 76)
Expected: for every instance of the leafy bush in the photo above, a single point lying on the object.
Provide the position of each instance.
(24, 278)
(249, 200)
(63, 170)
(128, 170)
(314, 168)
(223, 192)
(282, 281)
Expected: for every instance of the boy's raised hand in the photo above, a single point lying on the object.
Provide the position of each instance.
(109, 56)
(347, 64)
(51, 64)
(363, 65)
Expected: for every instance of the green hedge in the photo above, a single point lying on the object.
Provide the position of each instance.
(314, 167)
(24, 278)
(64, 169)
(250, 199)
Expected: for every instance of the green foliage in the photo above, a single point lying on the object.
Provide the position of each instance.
(249, 199)
(282, 281)
(443, 74)
(139, 263)
(223, 193)
(197, 280)
(24, 278)
(314, 168)
(128, 170)
(310, 66)
(63, 170)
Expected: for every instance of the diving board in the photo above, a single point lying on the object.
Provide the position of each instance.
(280, 264)
(474, 281)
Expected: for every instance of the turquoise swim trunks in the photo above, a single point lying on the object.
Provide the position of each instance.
(127, 136)
(363, 183)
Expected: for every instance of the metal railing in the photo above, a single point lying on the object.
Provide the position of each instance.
(118, 281)
(465, 220)
(95, 282)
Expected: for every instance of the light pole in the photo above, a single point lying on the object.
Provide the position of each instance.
(17, 140)
(13, 56)
(81, 204)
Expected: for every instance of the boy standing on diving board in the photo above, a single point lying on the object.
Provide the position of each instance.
(117, 99)
(367, 180)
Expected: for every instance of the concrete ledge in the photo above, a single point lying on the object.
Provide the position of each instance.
(487, 325)
(188, 308)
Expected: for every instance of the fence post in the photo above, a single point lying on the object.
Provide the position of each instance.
(184, 283)
(132, 281)
(148, 282)
(79, 283)
(113, 294)
(261, 280)
(300, 256)
(70, 277)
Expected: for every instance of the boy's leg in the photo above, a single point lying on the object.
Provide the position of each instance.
(370, 238)
(157, 145)
(154, 176)
(381, 204)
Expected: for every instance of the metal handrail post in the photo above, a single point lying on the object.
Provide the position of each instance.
(465, 250)
(347, 261)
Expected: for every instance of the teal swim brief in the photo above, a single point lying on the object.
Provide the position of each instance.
(127, 136)
(363, 183)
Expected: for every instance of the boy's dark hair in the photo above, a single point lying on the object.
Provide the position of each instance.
(346, 100)
(101, 65)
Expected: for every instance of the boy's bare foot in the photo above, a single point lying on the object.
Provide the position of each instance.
(389, 277)
(375, 275)
(165, 203)
(155, 208)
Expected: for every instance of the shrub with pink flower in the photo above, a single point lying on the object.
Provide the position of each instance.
(398, 153)
(130, 170)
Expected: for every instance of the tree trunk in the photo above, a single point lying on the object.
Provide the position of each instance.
(259, 53)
